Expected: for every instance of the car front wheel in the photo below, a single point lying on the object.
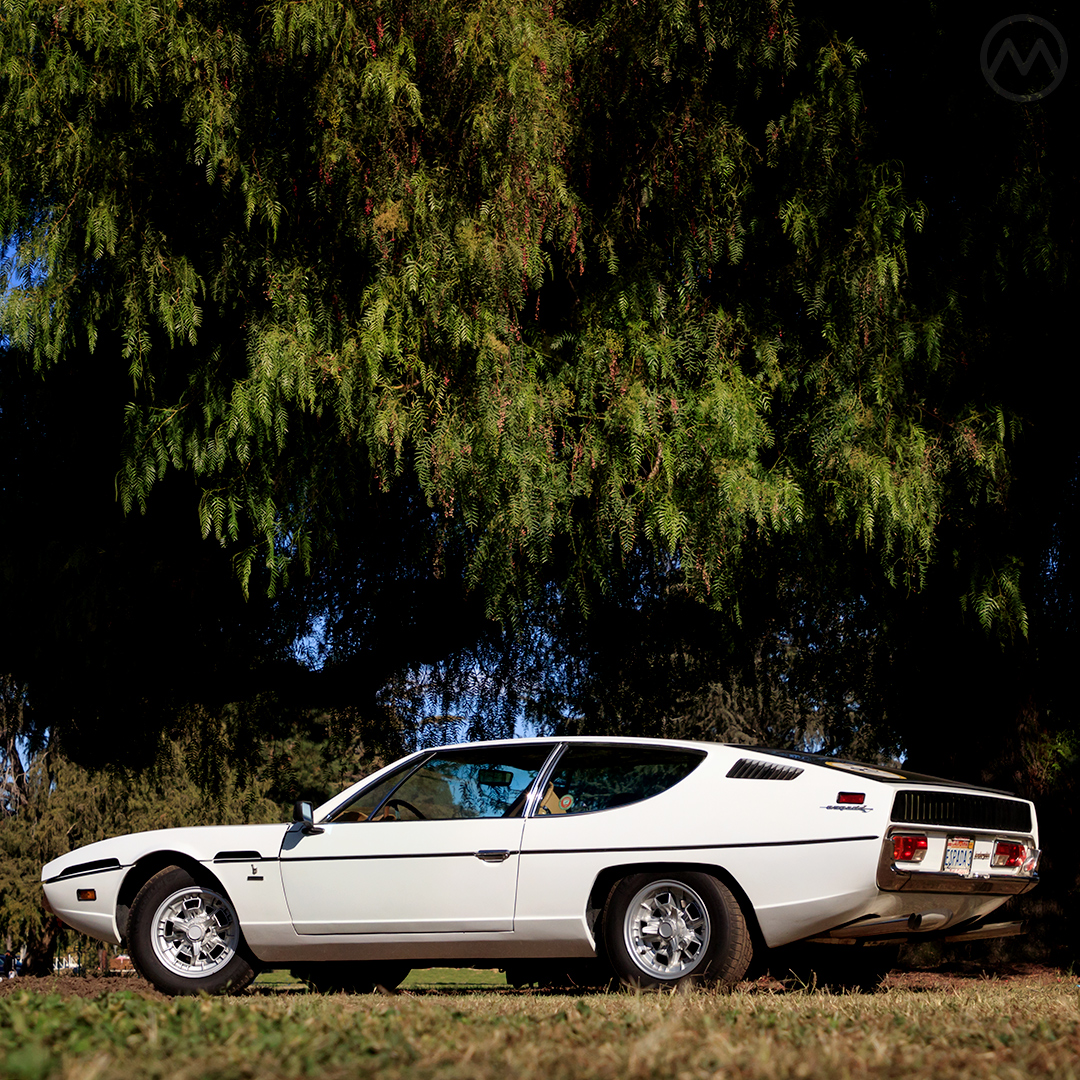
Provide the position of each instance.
(185, 936)
(670, 930)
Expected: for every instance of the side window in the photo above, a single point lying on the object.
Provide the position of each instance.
(589, 778)
(365, 803)
(479, 782)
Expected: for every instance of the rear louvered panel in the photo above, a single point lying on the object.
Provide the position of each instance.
(961, 810)
(748, 769)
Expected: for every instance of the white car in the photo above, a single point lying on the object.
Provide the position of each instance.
(654, 860)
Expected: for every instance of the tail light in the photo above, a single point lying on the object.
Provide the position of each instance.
(908, 847)
(1008, 854)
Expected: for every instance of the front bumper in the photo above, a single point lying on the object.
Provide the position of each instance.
(67, 898)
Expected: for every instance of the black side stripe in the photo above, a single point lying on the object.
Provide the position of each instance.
(590, 851)
(101, 866)
(368, 858)
(699, 847)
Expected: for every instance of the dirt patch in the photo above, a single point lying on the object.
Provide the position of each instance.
(89, 986)
(955, 976)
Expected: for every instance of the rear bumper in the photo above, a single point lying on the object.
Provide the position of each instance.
(890, 879)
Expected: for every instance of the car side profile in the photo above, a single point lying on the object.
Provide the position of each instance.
(655, 861)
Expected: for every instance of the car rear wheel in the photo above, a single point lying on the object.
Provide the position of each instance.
(674, 929)
(185, 936)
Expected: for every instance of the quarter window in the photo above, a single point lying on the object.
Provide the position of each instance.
(589, 778)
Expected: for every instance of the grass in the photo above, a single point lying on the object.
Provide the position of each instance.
(417, 979)
(985, 1029)
(453, 978)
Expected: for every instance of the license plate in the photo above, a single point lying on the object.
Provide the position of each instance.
(959, 855)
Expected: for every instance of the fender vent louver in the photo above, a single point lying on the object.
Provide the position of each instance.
(748, 769)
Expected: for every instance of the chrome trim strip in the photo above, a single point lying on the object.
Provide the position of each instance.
(542, 777)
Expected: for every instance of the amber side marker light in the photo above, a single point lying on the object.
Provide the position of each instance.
(907, 847)
(86, 894)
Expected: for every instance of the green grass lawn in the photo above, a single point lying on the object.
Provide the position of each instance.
(417, 979)
(983, 1029)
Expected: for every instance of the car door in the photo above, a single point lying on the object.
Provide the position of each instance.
(435, 851)
(600, 806)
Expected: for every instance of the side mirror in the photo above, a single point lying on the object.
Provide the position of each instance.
(302, 812)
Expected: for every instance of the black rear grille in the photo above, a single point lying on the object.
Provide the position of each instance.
(961, 810)
(748, 769)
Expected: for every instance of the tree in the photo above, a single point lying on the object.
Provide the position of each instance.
(555, 283)
(15, 742)
(536, 312)
(208, 769)
(394, 223)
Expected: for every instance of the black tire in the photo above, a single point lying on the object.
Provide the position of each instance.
(668, 930)
(352, 977)
(836, 968)
(185, 937)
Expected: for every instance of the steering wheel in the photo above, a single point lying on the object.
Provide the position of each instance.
(395, 803)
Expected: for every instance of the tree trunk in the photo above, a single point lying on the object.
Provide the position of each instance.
(41, 950)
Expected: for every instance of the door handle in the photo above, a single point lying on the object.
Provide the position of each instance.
(493, 856)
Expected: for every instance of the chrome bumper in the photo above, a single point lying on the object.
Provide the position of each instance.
(890, 879)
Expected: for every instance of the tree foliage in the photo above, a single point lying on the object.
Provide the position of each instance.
(581, 274)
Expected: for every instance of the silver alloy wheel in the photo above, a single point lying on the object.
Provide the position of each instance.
(667, 929)
(195, 932)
